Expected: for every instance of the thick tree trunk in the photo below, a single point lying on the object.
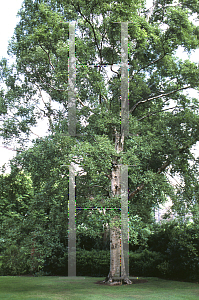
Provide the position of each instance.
(115, 251)
(117, 273)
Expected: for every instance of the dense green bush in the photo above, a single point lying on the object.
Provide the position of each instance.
(145, 263)
(14, 261)
(93, 263)
(173, 253)
(97, 263)
(57, 263)
(88, 263)
(180, 246)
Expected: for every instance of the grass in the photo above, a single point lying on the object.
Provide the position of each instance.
(84, 288)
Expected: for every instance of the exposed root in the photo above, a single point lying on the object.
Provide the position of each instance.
(110, 281)
(127, 281)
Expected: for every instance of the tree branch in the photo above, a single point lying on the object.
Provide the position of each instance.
(48, 107)
(112, 64)
(8, 148)
(156, 97)
(62, 90)
(54, 88)
(80, 101)
(48, 54)
(154, 113)
(137, 190)
(89, 22)
(151, 63)
(162, 168)
(13, 117)
(141, 187)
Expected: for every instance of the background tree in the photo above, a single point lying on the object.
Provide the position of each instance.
(163, 121)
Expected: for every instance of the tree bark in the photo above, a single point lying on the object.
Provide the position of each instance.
(117, 273)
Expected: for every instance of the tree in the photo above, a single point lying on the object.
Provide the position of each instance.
(33, 209)
(163, 121)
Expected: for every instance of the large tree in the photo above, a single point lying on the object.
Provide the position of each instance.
(163, 120)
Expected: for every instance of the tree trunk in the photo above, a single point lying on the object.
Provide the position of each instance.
(117, 273)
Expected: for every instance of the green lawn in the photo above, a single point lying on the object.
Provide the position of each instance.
(46, 288)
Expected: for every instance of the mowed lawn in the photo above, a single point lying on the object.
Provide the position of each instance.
(54, 287)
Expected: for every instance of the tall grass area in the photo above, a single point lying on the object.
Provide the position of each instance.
(85, 288)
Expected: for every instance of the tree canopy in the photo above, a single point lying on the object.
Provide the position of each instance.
(163, 120)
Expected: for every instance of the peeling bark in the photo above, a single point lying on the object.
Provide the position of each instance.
(117, 273)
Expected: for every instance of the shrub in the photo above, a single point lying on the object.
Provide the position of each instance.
(97, 263)
(88, 263)
(145, 263)
(57, 262)
(92, 263)
(180, 246)
(14, 261)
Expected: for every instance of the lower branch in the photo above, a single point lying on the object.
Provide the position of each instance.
(140, 187)
(162, 168)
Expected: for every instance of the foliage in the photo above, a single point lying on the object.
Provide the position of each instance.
(57, 262)
(163, 121)
(14, 261)
(27, 221)
(145, 263)
(139, 233)
(15, 194)
(93, 262)
(179, 243)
